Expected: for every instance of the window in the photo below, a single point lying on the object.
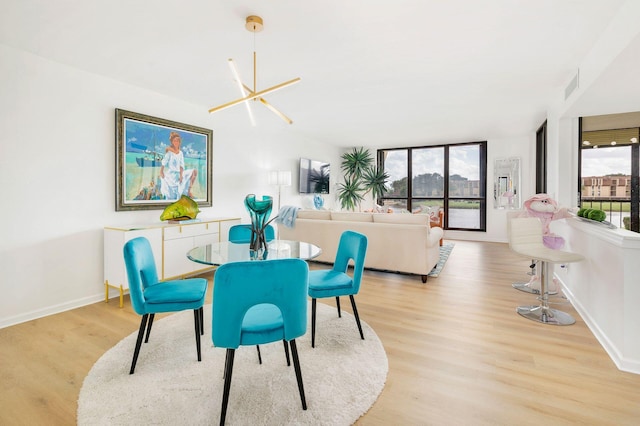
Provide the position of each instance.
(609, 166)
(451, 177)
(541, 159)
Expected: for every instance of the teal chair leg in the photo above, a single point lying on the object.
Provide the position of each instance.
(313, 323)
(286, 352)
(198, 330)
(228, 369)
(296, 365)
(355, 314)
(151, 317)
(338, 305)
(201, 321)
(136, 352)
(313, 318)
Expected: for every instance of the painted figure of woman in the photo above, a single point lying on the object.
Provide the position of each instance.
(176, 181)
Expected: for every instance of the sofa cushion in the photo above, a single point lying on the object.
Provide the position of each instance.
(314, 214)
(406, 219)
(351, 217)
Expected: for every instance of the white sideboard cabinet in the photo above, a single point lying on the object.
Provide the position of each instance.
(169, 243)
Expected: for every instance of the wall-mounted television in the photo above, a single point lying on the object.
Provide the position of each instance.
(314, 176)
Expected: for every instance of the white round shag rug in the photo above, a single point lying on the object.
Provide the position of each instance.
(343, 376)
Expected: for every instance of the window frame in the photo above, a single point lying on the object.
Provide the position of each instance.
(592, 193)
(409, 200)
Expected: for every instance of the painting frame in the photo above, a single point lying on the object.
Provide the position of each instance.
(142, 143)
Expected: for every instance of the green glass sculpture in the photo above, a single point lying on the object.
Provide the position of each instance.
(184, 208)
(259, 211)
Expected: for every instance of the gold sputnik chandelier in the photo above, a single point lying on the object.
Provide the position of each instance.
(254, 24)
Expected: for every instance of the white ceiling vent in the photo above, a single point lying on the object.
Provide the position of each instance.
(572, 86)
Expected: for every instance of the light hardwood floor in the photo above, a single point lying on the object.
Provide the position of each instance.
(458, 354)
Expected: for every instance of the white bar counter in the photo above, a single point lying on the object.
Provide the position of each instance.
(605, 287)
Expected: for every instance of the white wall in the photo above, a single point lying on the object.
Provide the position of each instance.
(57, 172)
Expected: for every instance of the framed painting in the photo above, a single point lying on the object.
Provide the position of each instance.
(158, 161)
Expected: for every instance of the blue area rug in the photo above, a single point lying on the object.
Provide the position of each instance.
(445, 251)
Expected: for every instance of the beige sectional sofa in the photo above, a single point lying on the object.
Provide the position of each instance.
(396, 242)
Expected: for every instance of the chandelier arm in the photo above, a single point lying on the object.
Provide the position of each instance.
(275, 111)
(255, 95)
(242, 87)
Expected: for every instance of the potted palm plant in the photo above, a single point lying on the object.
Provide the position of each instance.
(361, 177)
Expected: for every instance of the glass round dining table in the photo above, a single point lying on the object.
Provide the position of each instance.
(217, 254)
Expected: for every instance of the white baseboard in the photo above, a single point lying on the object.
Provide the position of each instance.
(50, 310)
(622, 363)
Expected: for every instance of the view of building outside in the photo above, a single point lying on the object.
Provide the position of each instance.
(464, 187)
(427, 167)
(606, 182)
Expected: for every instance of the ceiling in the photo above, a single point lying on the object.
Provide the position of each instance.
(373, 73)
(609, 137)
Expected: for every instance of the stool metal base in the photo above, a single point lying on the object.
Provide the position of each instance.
(545, 315)
(525, 287)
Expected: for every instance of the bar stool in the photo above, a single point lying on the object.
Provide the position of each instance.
(525, 238)
(527, 285)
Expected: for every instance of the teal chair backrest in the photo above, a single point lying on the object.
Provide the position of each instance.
(352, 246)
(141, 271)
(242, 233)
(238, 286)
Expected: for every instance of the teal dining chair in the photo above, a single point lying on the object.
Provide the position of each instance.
(150, 296)
(337, 282)
(242, 234)
(259, 302)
